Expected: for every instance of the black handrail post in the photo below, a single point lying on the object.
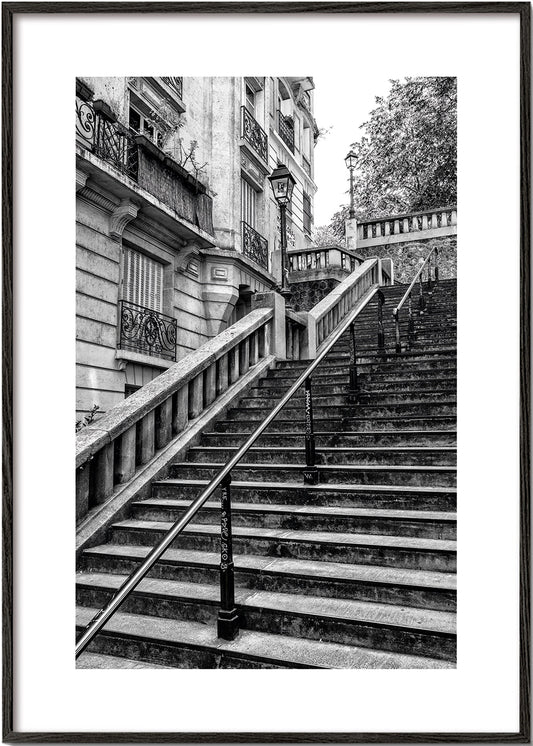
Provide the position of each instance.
(421, 299)
(310, 471)
(436, 266)
(228, 616)
(430, 286)
(354, 385)
(397, 325)
(411, 324)
(381, 330)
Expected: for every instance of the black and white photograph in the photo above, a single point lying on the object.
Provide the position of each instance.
(268, 372)
(266, 408)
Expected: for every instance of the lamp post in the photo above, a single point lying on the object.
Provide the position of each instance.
(351, 161)
(283, 182)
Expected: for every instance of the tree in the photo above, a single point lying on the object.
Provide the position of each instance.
(407, 156)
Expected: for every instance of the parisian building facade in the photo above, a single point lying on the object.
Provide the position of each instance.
(177, 225)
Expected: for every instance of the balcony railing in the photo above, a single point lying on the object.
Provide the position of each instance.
(254, 246)
(306, 165)
(286, 130)
(108, 139)
(253, 133)
(142, 160)
(176, 84)
(146, 331)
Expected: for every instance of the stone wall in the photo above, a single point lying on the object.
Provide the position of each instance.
(305, 295)
(407, 257)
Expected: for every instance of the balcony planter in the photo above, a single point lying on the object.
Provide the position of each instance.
(104, 110)
(167, 161)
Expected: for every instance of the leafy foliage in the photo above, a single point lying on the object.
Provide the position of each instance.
(88, 419)
(407, 156)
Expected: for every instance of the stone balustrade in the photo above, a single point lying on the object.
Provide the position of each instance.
(328, 314)
(417, 226)
(111, 450)
(322, 257)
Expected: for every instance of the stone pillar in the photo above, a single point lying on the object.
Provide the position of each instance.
(277, 303)
(350, 226)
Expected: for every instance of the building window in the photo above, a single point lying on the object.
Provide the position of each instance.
(297, 130)
(248, 204)
(250, 100)
(308, 214)
(143, 280)
(143, 328)
(140, 124)
(129, 389)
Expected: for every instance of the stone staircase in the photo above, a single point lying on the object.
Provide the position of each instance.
(357, 571)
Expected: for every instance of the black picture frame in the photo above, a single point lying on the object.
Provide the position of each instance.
(9, 11)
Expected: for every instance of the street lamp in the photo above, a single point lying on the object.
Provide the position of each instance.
(351, 162)
(283, 185)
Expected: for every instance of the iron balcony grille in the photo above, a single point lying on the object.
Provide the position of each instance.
(146, 331)
(176, 84)
(254, 246)
(286, 130)
(306, 165)
(253, 133)
(108, 140)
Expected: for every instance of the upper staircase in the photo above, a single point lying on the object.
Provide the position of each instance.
(356, 571)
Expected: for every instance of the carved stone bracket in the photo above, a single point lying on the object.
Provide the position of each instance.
(81, 179)
(190, 253)
(121, 216)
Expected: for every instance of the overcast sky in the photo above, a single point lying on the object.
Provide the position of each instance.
(343, 104)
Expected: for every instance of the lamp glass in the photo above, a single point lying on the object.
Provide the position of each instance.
(282, 184)
(351, 160)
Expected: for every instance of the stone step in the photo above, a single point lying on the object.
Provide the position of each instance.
(399, 438)
(428, 524)
(366, 384)
(444, 476)
(348, 424)
(413, 356)
(344, 495)
(417, 407)
(426, 590)
(362, 623)
(346, 399)
(365, 374)
(338, 455)
(410, 552)
(185, 644)
(103, 661)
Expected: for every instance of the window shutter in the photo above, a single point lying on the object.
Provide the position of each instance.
(143, 280)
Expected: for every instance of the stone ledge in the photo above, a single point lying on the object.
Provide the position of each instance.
(138, 357)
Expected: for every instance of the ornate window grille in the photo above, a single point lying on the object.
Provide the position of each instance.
(254, 246)
(146, 331)
(306, 165)
(176, 84)
(286, 130)
(253, 133)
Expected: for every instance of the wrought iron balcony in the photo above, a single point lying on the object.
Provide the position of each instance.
(286, 130)
(108, 139)
(254, 246)
(306, 165)
(253, 133)
(146, 331)
(176, 84)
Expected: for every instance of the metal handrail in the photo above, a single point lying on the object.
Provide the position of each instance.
(422, 303)
(129, 585)
(415, 278)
